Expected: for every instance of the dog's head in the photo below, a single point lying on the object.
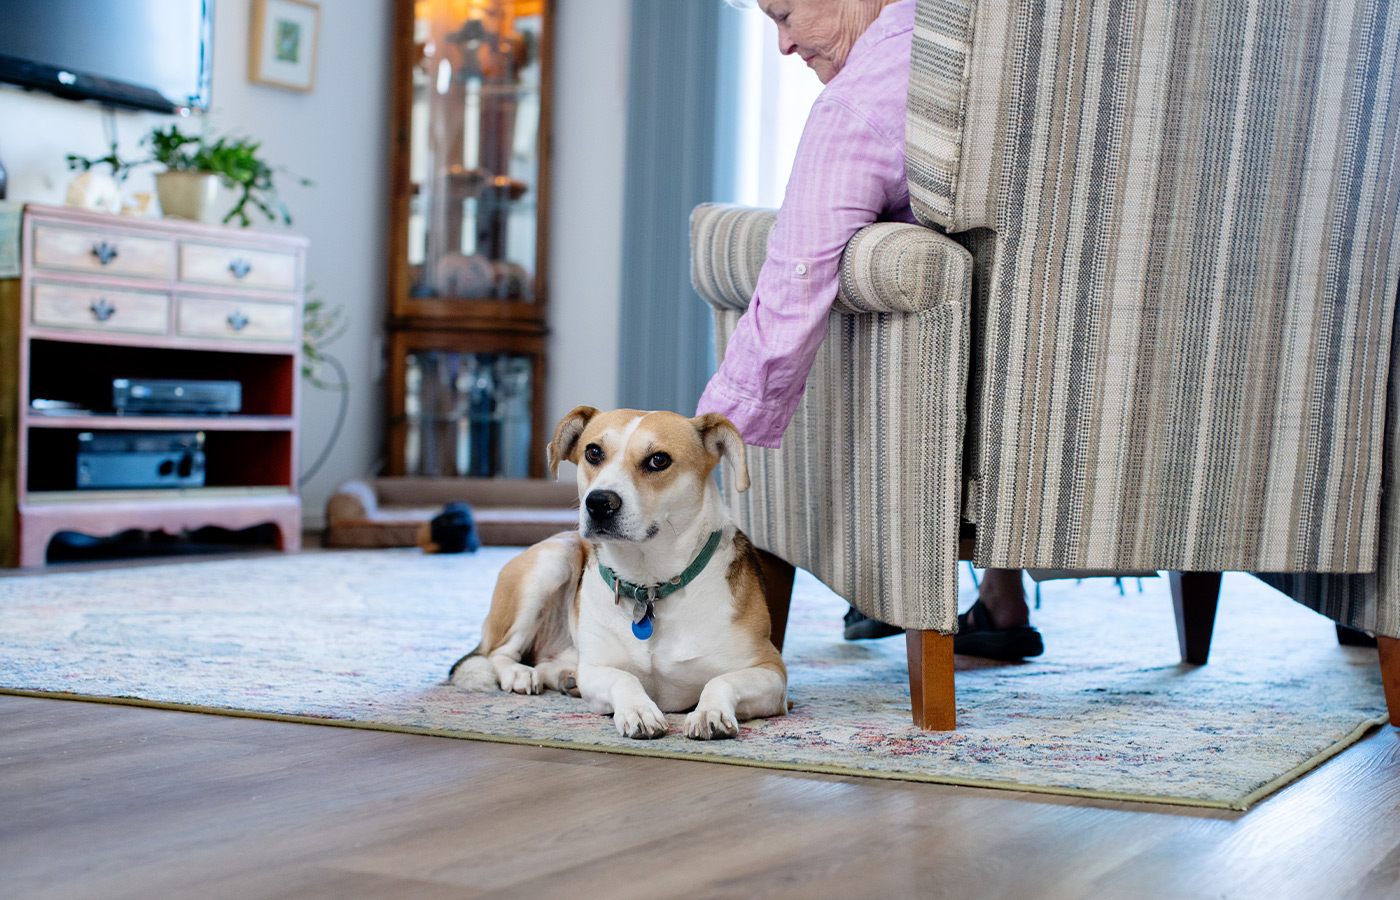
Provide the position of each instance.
(638, 470)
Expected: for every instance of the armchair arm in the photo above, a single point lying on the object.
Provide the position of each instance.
(891, 267)
(888, 267)
(728, 245)
(902, 314)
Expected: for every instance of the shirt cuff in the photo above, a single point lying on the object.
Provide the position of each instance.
(759, 425)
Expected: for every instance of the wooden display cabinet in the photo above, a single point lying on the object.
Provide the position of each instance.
(468, 225)
(100, 297)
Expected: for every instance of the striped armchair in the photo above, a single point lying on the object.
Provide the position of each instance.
(1148, 324)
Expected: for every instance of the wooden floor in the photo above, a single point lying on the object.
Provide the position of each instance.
(102, 801)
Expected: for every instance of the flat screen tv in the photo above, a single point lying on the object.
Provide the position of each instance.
(138, 54)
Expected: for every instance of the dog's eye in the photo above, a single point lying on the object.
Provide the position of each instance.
(593, 453)
(656, 462)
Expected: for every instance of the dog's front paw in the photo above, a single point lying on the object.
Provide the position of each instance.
(711, 725)
(640, 722)
(520, 679)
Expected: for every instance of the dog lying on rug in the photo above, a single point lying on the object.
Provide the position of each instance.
(656, 603)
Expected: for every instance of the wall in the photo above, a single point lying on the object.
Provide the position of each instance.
(585, 242)
(338, 136)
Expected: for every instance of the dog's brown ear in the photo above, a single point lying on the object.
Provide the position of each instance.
(566, 435)
(722, 440)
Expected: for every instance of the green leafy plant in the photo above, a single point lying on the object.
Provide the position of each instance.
(120, 169)
(321, 324)
(236, 160)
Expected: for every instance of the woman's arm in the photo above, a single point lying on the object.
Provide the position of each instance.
(845, 175)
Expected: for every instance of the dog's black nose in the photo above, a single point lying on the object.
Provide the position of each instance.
(602, 505)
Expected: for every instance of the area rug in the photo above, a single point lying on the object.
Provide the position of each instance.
(365, 638)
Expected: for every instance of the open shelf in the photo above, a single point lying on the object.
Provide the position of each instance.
(268, 381)
(231, 459)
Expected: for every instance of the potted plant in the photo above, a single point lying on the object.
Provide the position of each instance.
(196, 167)
(197, 171)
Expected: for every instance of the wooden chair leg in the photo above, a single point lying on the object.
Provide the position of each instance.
(1194, 597)
(931, 679)
(1390, 674)
(778, 575)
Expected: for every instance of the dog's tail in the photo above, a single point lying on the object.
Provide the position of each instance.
(474, 673)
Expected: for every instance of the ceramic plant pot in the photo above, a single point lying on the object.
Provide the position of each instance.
(191, 195)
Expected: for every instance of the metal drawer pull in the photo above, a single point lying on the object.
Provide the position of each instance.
(237, 320)
(101, 309)
(104, 252)
(240, 267)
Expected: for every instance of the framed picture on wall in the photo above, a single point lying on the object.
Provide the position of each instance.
(282, 45)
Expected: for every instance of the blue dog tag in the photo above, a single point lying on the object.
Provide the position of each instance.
(642, 629)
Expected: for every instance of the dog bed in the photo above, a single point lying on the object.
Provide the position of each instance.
(392, 512)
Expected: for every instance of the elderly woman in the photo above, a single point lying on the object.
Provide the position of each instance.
(849, 172)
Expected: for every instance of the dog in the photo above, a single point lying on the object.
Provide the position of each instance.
(656, 603)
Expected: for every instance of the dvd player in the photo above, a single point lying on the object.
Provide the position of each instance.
(184, 396)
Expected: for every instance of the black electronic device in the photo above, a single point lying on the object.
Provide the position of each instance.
(141, 54)
(111, 460)
(184, 396)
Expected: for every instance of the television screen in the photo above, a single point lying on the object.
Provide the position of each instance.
(142, 54)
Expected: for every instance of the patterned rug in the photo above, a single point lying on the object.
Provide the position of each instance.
(365, 638)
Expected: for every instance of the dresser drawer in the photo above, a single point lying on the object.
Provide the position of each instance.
(236, 319)
(237, 267)
(100, 309)
(108, 252)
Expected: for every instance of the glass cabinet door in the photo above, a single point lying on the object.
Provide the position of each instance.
(474, 191)
(466, 404)
(467, 414)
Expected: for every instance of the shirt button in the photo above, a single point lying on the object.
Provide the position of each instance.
(801, 269)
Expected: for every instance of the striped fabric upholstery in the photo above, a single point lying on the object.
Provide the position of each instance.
(1187, 329)
(861, 481)
(1369, 601)
(942, 189)
(728, 245)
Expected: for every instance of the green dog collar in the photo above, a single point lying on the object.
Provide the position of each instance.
(647, 595)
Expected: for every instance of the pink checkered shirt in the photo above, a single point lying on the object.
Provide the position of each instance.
(849, 172)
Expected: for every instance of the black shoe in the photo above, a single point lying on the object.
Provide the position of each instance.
(860, 627)
(1354, 637)
(977, 636)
